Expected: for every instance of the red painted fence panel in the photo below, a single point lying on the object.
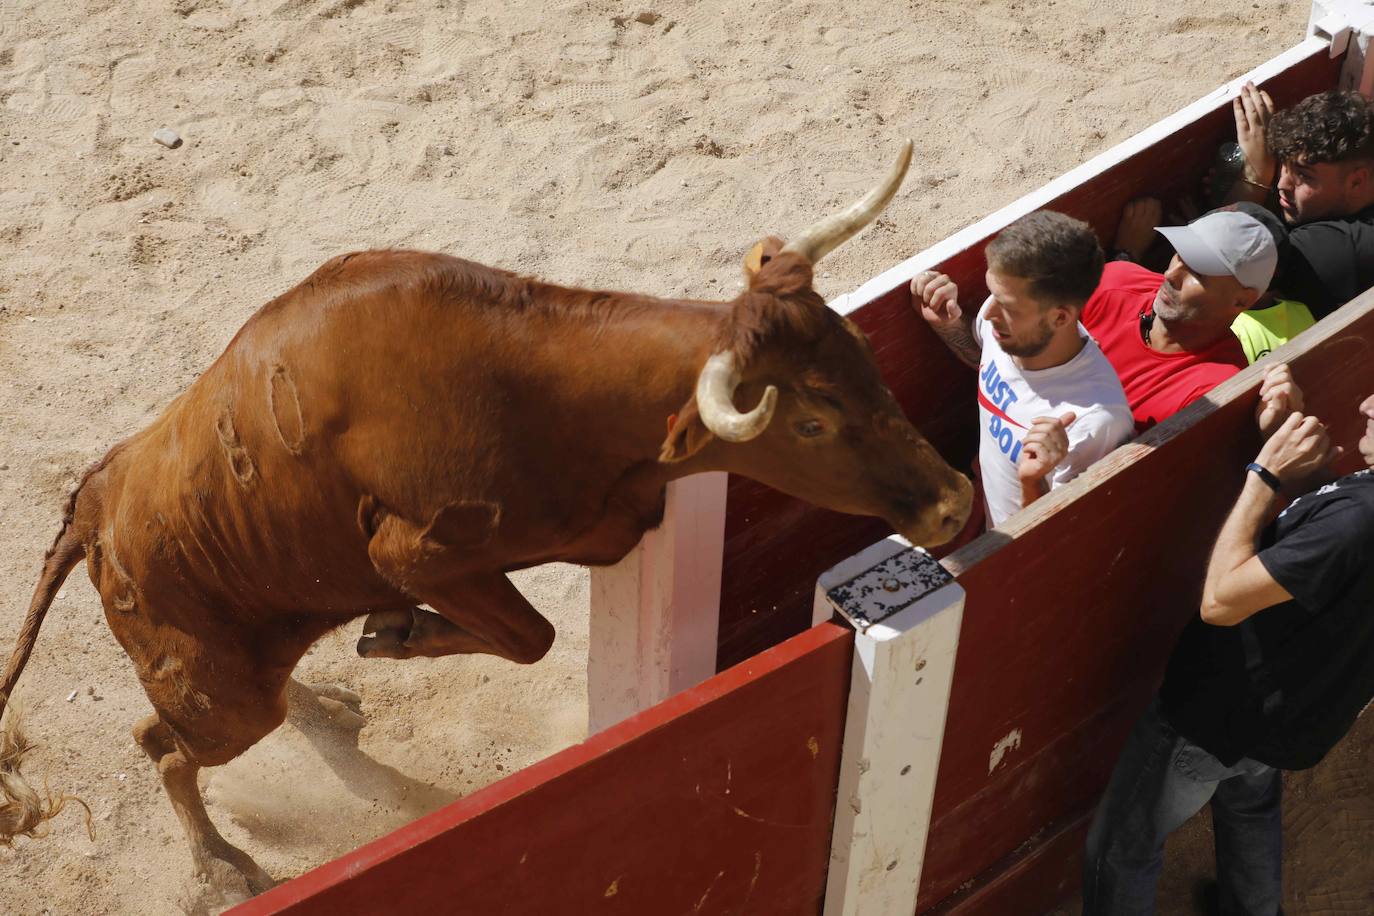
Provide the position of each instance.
(717, 801)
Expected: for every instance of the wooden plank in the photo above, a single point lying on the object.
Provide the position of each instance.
(718, 800)
(775, 546)
(654, 615)
(1072, 610)
(1032, 880)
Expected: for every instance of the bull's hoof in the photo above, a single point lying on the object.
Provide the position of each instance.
(229, 876)
(342, 707)
(385, 634)
(324, 706)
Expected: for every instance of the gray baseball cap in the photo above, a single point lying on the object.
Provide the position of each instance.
(1226, 243)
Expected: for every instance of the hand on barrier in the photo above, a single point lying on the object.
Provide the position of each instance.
(938, 297)
(1044, 446)
(1185, 209)
(1136, 230)
(1279, 396)
(1299, 448)
(1253, 108)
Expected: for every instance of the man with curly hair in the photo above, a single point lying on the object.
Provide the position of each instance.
(1322, 152)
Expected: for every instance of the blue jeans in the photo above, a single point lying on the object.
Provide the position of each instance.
(1160, 781)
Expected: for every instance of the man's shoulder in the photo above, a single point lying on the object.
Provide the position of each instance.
(1316, 236)
(1351, 497)
(1125, 275)
(1098, 375)
(1111, 422)
(1119, 292)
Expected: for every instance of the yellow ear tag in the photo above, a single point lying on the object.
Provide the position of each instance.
(753, 261)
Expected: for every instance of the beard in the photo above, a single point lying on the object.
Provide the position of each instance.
(1166, 300)
(1033, 343)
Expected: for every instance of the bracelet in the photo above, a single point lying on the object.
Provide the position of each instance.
(1254, 184)
(1265, 475)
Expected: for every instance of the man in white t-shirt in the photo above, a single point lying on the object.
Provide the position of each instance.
(1049, 402)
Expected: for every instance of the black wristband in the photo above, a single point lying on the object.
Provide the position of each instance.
(1265, 475)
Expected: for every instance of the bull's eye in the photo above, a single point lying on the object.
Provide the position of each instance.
(810, 428)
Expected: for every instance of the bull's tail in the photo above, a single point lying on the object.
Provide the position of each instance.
(22, 810)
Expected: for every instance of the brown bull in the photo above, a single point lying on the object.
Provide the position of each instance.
(406, 428)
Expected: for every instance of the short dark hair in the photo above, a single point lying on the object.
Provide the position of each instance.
(1332, 126)
(1058, 255)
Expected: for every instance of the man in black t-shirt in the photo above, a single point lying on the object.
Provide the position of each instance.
(1269, 677)
(1322, 153)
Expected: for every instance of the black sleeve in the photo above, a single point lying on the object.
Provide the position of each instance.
(1322, 267)
(1325, 554)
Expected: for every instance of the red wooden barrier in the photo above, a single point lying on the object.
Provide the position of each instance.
(716, 801)
(720, 799)
(775, 546)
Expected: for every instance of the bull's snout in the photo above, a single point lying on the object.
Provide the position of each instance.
(954, 508)
(943, 519)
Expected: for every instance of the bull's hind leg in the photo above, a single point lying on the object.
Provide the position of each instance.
(228, 869)
(478, 612)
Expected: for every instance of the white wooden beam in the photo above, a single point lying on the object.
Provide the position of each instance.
(989, 226)
(656, 613)
(1347, 24)
(907, 612)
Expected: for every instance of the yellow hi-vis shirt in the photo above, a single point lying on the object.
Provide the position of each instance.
(1262, 331)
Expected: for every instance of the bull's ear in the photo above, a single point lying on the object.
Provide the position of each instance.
(687, 435)
(762, 252)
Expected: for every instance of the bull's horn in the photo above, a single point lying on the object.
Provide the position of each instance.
(832, 232)
(715, 401)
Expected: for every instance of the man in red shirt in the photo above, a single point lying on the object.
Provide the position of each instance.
(1169, 335)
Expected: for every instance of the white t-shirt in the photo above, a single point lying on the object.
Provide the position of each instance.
(1010, 398)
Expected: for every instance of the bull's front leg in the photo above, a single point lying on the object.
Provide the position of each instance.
(495, 620)
(474, 612)
(413, 633)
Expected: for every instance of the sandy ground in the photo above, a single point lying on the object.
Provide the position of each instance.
(587, 142)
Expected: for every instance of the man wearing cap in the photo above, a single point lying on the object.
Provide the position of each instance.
(1169, 335)
(1269, 676)
(1272, 321)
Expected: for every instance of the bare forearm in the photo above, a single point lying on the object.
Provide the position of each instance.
(959, 338)
(1239, 538)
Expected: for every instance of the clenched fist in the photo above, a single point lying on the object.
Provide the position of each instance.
(1046, 444)
(938, 297)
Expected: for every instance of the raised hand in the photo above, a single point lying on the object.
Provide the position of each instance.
(1298, 449)
(1044, 446)
(1279, 395)
(938, 297)
(1253, 108)
(1136, 230)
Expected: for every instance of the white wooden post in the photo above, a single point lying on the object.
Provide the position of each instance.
(907, 612)
(1347, 24)
(656, 613)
